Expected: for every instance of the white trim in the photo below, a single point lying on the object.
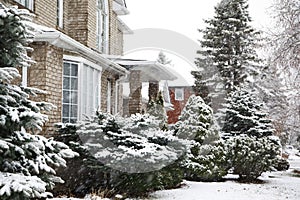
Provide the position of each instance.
(63, 41)
(24, 76)
(82, 60)
(60, 13)
(108, 97)
(181, 90)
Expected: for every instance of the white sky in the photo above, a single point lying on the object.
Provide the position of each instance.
(183, 17)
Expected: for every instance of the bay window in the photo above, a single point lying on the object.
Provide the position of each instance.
(81, 89)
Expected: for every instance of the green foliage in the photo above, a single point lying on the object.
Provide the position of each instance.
(15, 34)
(251, 156)
(156, 108)
(244, 115)
(228, 43)
(27, 161)
(131, 155)
(205, 159)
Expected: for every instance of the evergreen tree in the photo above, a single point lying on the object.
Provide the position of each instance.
(244, 115)
(205, 158)
(228, 43)
(156, 108)
(26, 161)
(162, 58)
(251, 147)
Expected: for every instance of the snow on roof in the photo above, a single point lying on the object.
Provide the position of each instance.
(151, 70)
(63, 41)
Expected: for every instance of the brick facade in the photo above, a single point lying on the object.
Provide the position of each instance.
(79, 23)
(135, 96)
(178, 105)
(46, 74)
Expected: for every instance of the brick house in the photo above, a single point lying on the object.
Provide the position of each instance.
(180, 91)
(70, 49)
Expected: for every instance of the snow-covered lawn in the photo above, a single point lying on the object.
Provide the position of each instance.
(274, 186)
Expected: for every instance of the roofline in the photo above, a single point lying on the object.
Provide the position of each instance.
(63, 41)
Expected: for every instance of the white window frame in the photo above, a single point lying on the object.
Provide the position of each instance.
(26, 3)
(70, 119)
(108, 97)
(60, 13)
(117, 88)
(180, 97)
(102, 26)
(83, 107)
(24, 76)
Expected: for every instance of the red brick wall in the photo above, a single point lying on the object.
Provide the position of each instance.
(178, 105)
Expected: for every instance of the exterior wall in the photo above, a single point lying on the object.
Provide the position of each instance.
(46, 74)
(115, 35)
(178, 105)
(45, 13)
(80, 24)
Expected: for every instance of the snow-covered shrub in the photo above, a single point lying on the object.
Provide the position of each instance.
(250, 156)
(156, 108)
(27, 161)
(134, 154)
(244, 115)
(205, 159)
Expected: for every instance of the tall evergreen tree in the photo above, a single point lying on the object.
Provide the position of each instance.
(27, 161)
(244, 115)
(228, 41)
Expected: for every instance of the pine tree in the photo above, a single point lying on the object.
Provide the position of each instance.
(228, 41)
(245, 115)
(26, 161)
(205, 158)
(162, 58)
(251, 147)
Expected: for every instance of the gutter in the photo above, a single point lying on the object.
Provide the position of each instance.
(63, 41)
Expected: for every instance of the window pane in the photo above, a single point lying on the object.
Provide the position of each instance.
(66, 97)
(73, 111)
(74, 97)
(74, 83)
(65, 120)
(66, 110)
(67, 69)
(74, 70)
(66, 84)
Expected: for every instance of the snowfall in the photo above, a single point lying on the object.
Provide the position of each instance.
(272, 186)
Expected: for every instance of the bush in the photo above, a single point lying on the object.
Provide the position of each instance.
(132, 156)
(250, 156)
(205, 160)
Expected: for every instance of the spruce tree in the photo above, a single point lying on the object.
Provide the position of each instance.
(205, 158)
(244, 115)
(27, 161)
(228, 41)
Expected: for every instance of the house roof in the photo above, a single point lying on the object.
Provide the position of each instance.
(123, 27)
(150, 70)
(61, 40)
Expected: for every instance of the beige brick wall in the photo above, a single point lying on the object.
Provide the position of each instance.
(115, 35)
(46, 74)
(46, 12)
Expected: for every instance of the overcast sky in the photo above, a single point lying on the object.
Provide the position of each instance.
(182, 17)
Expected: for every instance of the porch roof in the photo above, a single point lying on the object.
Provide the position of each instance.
(150, 70)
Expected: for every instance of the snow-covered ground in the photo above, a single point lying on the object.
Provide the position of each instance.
(275, 186)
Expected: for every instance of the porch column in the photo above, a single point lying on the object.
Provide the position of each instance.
(153, 89)
(135, 96)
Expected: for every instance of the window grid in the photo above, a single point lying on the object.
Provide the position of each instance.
(102, 25)
(179, 94)
(70, 92)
